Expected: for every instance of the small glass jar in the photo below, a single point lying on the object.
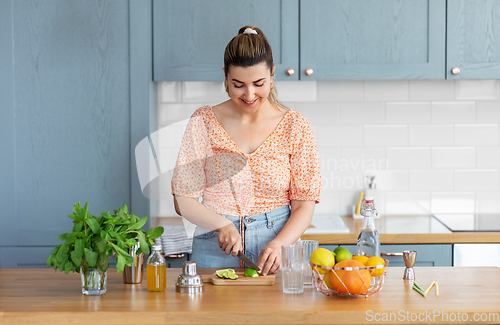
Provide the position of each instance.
(156, 270)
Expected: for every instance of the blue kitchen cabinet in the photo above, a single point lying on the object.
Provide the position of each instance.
(366, 39)
(427, 254)
(190, 36)
(473, 39)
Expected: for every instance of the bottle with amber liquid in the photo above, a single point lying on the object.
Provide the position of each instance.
(156, 270)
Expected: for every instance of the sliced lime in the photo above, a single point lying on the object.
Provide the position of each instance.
(252, 273)
(231, 274)
(222, 274)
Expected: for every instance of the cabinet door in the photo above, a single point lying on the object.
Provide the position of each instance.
(189, 36)
(372, 39)
(473, 39)
(427, 254)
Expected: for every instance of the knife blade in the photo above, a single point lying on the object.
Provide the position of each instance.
(248, 261)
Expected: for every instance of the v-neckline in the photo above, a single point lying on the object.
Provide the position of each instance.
(234, 143)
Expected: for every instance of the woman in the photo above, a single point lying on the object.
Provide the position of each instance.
(253, 162)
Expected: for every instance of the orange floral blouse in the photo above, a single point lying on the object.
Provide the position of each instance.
(284, 167)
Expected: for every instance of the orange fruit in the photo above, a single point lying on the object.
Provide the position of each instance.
(360, 258)
(355, 281)
(373, 261)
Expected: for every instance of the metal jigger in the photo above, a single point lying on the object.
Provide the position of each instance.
(409, 257)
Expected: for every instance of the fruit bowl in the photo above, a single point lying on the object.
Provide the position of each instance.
(348, 281)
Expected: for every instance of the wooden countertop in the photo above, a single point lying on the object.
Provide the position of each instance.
(41, 296)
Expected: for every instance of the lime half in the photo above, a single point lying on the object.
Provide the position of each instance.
(252, 273)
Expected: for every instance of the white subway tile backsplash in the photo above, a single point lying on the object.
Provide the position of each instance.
(408, 112)
(488, 157)
(386, 90)
(476, 135)
(407, 203)
(453, 112)
(169, 92)
(477, 90)
(476, 180)
(362, 113)
(431, 135)
(363, 158)
(433, 145)
(421, 90)
(297, 91)
(454, 157)
(431, 180)
(340, 135)
(453, 202)
(487, 202)
(206, 92)
(409, 158)
(388, 135)
(340, 91)
(172, 113)
(392, 180)
(320, 113)
(488, 112)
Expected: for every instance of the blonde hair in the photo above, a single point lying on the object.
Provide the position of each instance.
(248, 49)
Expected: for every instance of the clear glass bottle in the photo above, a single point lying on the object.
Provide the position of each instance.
(156, 270)
(368, 238)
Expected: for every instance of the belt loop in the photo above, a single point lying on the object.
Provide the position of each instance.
(269, 222)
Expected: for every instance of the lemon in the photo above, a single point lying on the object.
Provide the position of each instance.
(322, 256)
(343, 254)
(252, 273)
(373, 261)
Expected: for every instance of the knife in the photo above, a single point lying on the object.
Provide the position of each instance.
(248, 261)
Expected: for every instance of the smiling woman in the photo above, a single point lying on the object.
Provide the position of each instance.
(253, 161)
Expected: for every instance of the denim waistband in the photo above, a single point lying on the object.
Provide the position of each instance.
(275, 213)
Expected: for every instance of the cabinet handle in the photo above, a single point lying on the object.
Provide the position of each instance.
(309, 72)
(290, 72)
(455, 71)
(391, 254)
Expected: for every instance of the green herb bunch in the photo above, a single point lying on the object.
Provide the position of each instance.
(95, 238)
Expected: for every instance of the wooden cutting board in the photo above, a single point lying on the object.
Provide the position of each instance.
(240, 281)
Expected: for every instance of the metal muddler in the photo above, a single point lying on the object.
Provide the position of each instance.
(409, 257)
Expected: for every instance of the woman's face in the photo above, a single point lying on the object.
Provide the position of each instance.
(249, 87)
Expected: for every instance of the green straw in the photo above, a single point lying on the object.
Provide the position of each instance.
(416, 284)
(417, 289)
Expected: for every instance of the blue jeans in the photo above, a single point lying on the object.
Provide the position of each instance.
(259, 229)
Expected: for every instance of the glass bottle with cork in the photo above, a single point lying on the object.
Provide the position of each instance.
(368, 243)
(156, 270)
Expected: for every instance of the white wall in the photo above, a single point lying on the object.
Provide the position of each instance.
(434, 146)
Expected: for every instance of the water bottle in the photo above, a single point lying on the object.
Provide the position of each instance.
(368, 238)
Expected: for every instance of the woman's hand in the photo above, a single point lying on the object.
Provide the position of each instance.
(229, 239)
(270, 258)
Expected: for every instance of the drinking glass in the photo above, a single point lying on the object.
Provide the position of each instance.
(309, 246)
(293, 268)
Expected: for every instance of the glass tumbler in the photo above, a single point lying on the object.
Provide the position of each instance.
(292, 268)
(309, 247)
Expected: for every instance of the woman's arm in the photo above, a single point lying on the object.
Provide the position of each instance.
(228, 236)
(300, 218)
